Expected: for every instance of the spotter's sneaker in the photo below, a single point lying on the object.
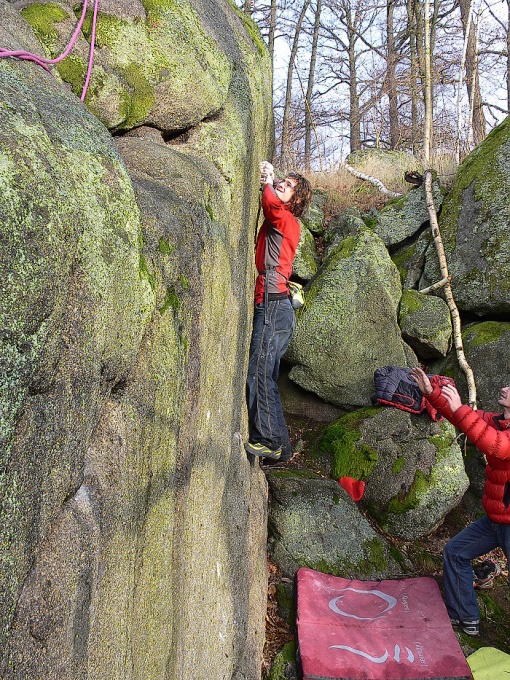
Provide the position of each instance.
(471, 628)
(258, 449)
(484, 574)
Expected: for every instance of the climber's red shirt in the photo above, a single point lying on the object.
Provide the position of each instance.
(276, 247)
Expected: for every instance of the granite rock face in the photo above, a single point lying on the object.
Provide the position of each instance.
(133, 527)
(474, 226)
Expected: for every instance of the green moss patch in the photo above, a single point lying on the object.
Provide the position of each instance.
(73, 70)
(251, 28)
(164, 247)
(171, 300)
(285, 657)
(398, 465)
(411, 302)
(43, 17)
(139, 104)
(483, 333)
(401, 504)
(350, 459)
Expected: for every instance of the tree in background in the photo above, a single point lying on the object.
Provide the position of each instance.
(309, 122)
(285, 149)
(472, 76)
(353, 74)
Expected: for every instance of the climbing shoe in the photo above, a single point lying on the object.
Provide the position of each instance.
(258, 449)
(484, 574)
(471, 628)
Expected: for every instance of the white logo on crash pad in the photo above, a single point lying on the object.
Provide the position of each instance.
(389, 599)
(377, 659)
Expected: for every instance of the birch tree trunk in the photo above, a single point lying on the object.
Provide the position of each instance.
(446, 282)
(427, 133)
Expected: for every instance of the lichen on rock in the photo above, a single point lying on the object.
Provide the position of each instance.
(474, 227)
(164, 69)
(412, 467)
(333, 356)
(425, 323)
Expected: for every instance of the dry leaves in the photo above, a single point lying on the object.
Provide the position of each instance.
(278, 632)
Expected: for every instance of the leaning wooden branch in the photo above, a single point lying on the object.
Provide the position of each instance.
(376, 182)
(436, 286)
(445, 282)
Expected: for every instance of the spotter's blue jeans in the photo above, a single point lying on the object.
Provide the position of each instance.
(268, 344)
(477, 539)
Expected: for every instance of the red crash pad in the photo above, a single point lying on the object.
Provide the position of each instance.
(375, 630)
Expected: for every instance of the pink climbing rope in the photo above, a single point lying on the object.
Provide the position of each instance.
(91, 52)
(42, 61)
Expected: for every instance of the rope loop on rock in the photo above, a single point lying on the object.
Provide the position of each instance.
(45, 63)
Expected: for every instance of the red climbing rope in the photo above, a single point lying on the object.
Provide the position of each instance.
(42, 61)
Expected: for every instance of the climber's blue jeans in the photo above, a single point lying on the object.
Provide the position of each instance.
(268, 344)
(477, 539)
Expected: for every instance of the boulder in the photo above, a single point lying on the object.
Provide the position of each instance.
(403, 217)
(410, 259)
(313, 219)
(486, 348)
(157, 63)
(314, 523)
(341, 225)
(306, 262)
(425, 323)
(412, 467)
(474, 225)
(302, 404)
(379, 162)
(348, 327)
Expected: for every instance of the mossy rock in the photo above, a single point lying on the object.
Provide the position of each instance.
(425, 322)
(314, 523)
(116, 392)
(340, 439)
(486, 349)
(313, 219)
(348, 327)
(412, 467)
(410, 259)
(404, 217)
(146, 59)
(284, 664)
(341, 225)
(474, 225)
(387, 165)
(76, 303)
(306, 262)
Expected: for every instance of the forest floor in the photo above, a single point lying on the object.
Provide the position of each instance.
(425, 556)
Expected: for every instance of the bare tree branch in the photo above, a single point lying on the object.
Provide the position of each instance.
(373, 180)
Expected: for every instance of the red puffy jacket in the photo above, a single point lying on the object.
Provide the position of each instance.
(490, 433)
